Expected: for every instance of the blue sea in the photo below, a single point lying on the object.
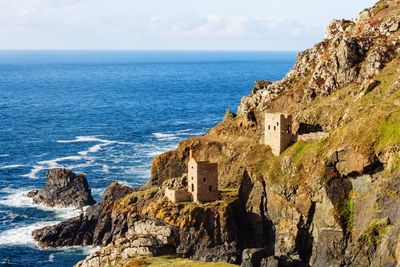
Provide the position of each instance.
(107, 114)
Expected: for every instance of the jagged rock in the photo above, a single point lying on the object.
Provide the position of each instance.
(347, 161)
(389, 26)
(330, 245)
(376, 59)
(229, 115)
(394, 87)
(63, 189)
(340, 70)
(270, 262)
(146, 238)
(260, 85)
(252, 257)
(337, 27)
(369, 86)
(115, 191)
(99, 225)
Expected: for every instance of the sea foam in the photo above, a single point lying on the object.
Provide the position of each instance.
(22, 235)
(12, 166)
(17, 198)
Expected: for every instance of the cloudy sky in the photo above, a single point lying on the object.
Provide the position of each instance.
(172, 24)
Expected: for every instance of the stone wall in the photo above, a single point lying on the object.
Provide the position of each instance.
(207, 183)
(312, 137)
(178, 195)
(278, 132)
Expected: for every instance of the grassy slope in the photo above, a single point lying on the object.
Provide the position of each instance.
(170, 261)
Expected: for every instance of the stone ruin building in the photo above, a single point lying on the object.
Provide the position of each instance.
(202, 183)
(278, 133)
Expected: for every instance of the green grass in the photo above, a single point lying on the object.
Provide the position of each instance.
(375, 231)
(379, 7)
(389, 131)
(347, 213)
(171, 261)
(300, 154)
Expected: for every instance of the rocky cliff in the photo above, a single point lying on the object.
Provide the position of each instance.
(332, 202)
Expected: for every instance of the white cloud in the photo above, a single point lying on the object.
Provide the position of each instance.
(114, 24)
(221, 26)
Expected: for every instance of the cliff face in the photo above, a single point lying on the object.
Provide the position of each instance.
(329, 202)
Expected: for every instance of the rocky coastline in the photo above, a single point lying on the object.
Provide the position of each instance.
(329, 202)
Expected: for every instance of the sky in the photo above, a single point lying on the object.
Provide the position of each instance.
(169, 25)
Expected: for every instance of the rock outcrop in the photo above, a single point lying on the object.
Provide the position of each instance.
(64, 189)
(98, 225)
(145, 238)
(352, 52)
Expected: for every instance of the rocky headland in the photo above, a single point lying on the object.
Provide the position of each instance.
(331, 202)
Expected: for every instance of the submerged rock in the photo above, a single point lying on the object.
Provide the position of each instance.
(64, 189)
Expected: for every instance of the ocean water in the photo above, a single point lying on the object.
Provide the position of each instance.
(105, 114)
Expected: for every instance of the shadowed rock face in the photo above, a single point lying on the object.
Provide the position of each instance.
(64, 189)
(97, 226)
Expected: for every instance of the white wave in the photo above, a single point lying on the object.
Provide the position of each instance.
(81, 139)
(17, 198)
(159, 150)
(165, 136)
(49, 164)
(82, 165)
(12, 166)
(95, 148)
(33, 173)
(185, 131)
(53, 163)
(9, 216)
(22, 235)
(106, 169)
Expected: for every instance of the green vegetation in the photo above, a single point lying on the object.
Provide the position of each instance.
(375, 231)
(170, 261)
(345, 211)
(379, 7)
(228, 194)
(287, 169)
(389, 131)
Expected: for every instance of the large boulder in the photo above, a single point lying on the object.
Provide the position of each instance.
(64, 189)
(146, 237)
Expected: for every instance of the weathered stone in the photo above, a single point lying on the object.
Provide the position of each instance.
(347, 161)
(147, 238)
(229, 115)
(252, 257)
(329, 248)
(63, 189)
(270, 262)
(98, 225)
(115, 191)
(369, 86)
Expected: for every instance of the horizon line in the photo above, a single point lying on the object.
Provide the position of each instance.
(143, 50)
